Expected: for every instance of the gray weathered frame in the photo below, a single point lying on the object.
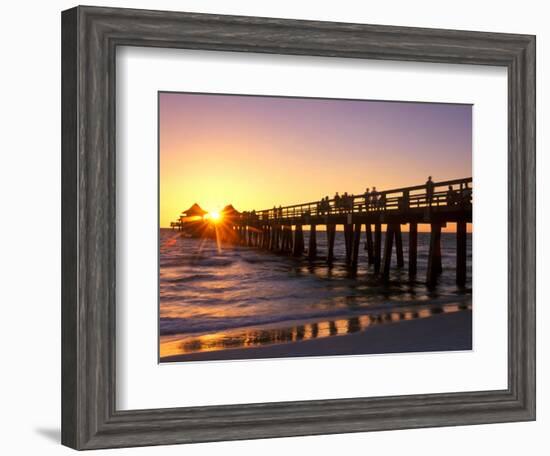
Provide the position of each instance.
(90, 36)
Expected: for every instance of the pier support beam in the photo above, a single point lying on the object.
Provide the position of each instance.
(461, 253)
(434, 256)
(413, 248)
(331, 235)
(286, 244)
(290, 243)
(356, 243)
(271, 238)
(312, 251)
(269, 234)
(388, 247)
(283, 239)
(348, 239)
(274, 238)
(399, 245)
(298, 241)
(377, 246)
(368, 244)
(250, 231)
(265, 237)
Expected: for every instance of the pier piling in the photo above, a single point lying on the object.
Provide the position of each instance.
(272, 238)
(290, 243)
(413, 246)
(298, 241)
(388, 247)
(368, 244)
(399, 245)
(276, 237)
(377, 246)
(356, 243)
(434, 255)
(312, 250)
(331, 235)
(348, 239)
(284, 239)
(461, 253)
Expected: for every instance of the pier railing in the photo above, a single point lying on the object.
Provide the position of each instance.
(385, 200)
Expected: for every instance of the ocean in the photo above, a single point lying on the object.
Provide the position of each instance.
(217, 297)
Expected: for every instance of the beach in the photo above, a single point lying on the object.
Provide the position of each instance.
(441, 332)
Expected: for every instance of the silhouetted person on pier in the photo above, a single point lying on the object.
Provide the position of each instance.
(429, 191)
(345, 201)
(451, 196)
(367, 199)
(280, 211)
(325, 206)
(321, 207)
(374, 198)
(337, 202)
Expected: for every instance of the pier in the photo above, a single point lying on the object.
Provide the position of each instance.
(281, 229)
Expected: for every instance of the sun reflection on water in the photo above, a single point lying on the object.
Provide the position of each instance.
(255, 337)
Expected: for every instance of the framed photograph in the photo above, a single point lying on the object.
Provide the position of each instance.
(279, 228)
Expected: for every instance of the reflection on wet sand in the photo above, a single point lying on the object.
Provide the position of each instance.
(254, 337)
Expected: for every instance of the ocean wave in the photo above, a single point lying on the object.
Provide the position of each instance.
(208, 324)
(211, 262)
(208, 290)
(191, 278)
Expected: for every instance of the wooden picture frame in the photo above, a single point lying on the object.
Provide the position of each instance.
(90, 37)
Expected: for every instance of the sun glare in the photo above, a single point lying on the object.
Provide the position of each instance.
(214, 216)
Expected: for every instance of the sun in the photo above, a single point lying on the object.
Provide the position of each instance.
(214, 216)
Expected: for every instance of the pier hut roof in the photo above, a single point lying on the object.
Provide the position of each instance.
(194, 210)
(229, 210)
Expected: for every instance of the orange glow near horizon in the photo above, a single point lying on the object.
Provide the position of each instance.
(259, 152)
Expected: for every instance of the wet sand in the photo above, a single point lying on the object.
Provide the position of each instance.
(441, 332)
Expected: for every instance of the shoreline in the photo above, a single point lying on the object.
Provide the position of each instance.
(450, 331)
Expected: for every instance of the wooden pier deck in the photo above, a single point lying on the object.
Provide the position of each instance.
(280, 229)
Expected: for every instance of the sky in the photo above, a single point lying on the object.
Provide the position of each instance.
(256, 152)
